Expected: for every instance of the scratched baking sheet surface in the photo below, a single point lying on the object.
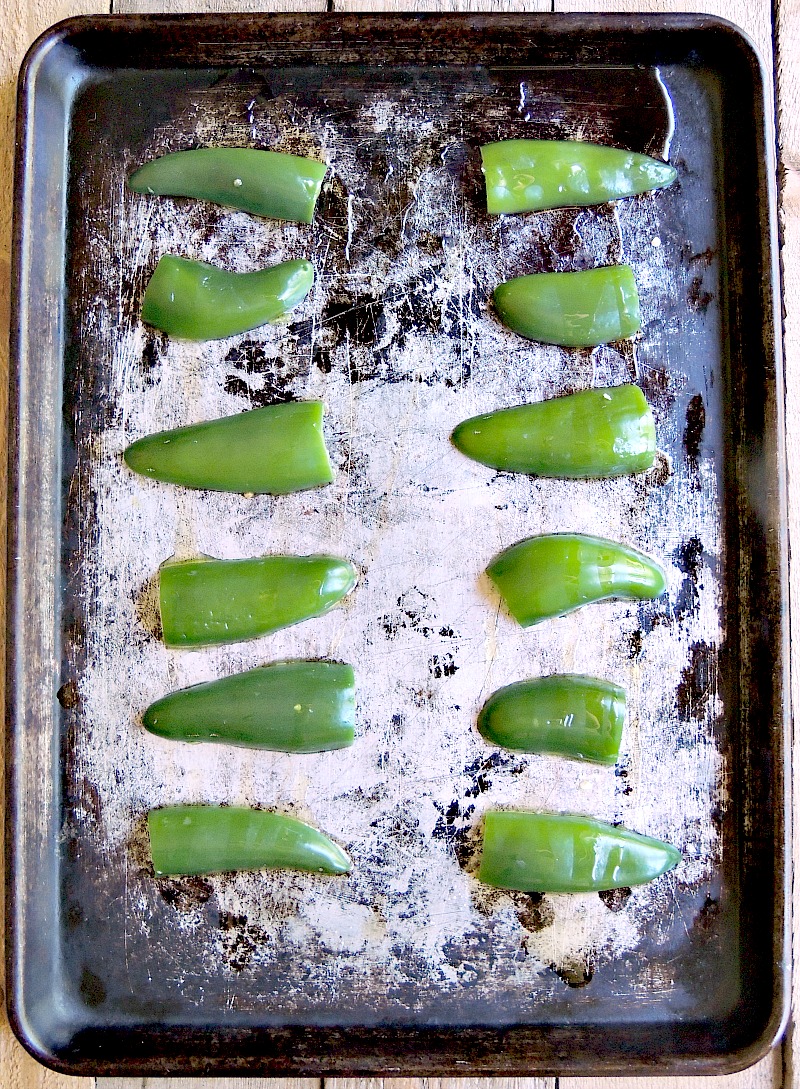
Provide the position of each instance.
(398, 340)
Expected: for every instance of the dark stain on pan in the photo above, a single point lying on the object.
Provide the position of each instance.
(240, 939)
(616, 899)
(576, 973)
(635, 643)
(259, 379)
(698, 299)
(705, 923)
(150, 364)
(534, 911)
(696, 683)
(689, 559)
(693, 432)
(413, 613)
(184, 894)
(442, 665)
(622, 774)
(703, 259)
(656, 386)
(68, 695)
(92, 989)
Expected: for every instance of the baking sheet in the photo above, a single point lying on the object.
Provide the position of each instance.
(399, 341)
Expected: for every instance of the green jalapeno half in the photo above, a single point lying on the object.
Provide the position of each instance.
(531, 175)
(295, 706)
(195, 301)
(594, 433)
(554, 852)
(198, 839)
(554, 574)
(276, 449)
(266, 183)
(573, 309)
(566, 715)
(208, 601)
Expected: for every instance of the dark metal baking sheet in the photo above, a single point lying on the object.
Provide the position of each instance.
(111, 971)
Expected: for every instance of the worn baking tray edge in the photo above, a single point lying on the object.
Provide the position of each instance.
(30, 817)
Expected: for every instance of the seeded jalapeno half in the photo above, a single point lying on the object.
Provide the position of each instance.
(208, 601)
(554, 852)
(266, 183)
(276, 449)
(574, 309)
(531, 175)
(594, 433)
(295, 706)
(198, 839)
(195, 301)
(555, 574)
(567, 715)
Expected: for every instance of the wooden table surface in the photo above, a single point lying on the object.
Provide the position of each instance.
(775, 27)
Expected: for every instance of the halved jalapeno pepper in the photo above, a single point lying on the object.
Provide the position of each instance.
(196, 301)
(199, 839)
(277, 449)
(595, 433)
(564, 714)
(266, 183)
(295, 706)
(554, 852)
(531, 175)
(554, 574)
(208, 601)
(573, 309)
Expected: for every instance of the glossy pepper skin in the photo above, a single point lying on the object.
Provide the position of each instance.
(554, 852)
(565, 714)
(594, 433)
(296, 706)
(531, 175)
(195, 301)
(266, 183)
(573, 309)
(551, 575)
(277, 449)
(208, 601)
(199, 839)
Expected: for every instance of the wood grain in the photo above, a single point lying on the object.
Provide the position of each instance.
(143, 7)
(764, 1075)
(441, 5)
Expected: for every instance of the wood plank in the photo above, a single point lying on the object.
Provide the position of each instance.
(203, 1083)
(144, 7)
(767, 1074)
(21, 21)
(439, 1083)
(441, 5)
